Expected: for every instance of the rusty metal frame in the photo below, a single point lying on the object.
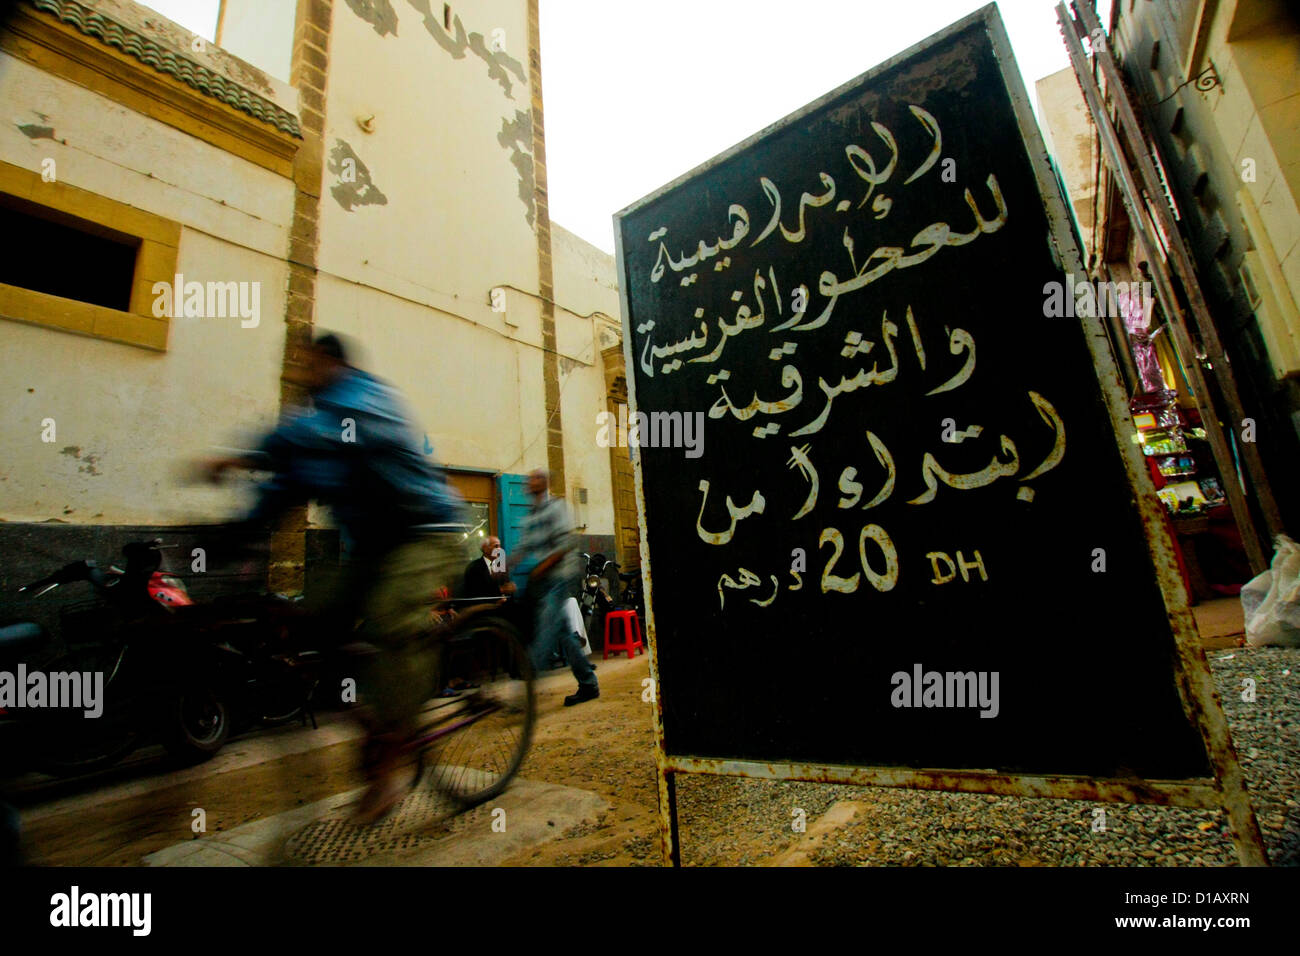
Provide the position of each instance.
(1195, 684)
(1180, 260)
(1149, 248)
(1192, 675)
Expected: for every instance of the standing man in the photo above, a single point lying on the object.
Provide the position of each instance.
(356, 450)
(547, 543)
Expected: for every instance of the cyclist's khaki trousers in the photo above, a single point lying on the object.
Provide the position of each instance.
(403, 675)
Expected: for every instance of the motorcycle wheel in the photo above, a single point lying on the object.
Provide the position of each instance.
(59, 757)
(68, 744)
(197, 723)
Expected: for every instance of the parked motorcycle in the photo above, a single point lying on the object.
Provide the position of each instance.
(632, 596)
(261, 648)
(142, 678)
(172, 671)
(601, 581)
(262, 654)
(594, 600)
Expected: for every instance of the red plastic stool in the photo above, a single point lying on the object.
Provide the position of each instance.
(628, 642)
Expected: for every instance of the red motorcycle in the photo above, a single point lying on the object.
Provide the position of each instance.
(172, 671)
(149, 685)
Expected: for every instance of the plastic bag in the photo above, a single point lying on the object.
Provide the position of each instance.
(1271, 601)
(574, 616)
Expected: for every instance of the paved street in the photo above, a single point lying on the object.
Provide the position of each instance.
(282, 796)
(586, 795)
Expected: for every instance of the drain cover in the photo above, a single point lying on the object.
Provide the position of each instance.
(423, 818)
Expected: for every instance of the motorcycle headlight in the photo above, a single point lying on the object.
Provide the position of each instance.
(593, 581)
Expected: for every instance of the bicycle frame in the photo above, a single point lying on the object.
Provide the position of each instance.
(423, 742)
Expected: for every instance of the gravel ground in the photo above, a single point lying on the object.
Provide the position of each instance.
(733, 821)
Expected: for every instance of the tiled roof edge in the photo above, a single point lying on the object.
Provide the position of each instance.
(148, 52)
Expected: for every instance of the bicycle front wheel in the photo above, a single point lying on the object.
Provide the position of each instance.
(484, 717)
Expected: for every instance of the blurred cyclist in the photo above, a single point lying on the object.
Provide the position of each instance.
(355, 451)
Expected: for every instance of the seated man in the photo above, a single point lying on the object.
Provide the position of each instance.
(486, 576)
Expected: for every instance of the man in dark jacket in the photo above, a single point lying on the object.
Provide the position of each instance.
(486, 576)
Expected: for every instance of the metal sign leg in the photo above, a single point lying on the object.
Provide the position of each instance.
(668, 817)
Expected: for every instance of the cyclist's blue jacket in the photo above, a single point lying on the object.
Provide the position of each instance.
(356, 452)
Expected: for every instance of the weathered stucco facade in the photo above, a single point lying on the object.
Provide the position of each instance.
(370, 168)
(127, 405)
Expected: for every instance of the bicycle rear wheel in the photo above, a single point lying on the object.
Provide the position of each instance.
(485, 721)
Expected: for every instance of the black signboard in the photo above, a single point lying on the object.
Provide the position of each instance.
(887, 519)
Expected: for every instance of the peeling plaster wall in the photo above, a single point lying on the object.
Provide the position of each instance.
(127, 419)
(353, 185)
(463, 384)
(454, 224)
(435, 209)
(431, 221)
(419, 220)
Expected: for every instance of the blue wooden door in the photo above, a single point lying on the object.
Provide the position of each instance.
(512, 493)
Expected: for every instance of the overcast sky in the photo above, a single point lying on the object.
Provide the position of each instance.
(638, 92)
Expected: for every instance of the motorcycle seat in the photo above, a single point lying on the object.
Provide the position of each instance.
(16, 639)
(628, 575)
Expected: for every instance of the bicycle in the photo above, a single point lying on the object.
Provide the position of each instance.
(473, 740)
(477, 728)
